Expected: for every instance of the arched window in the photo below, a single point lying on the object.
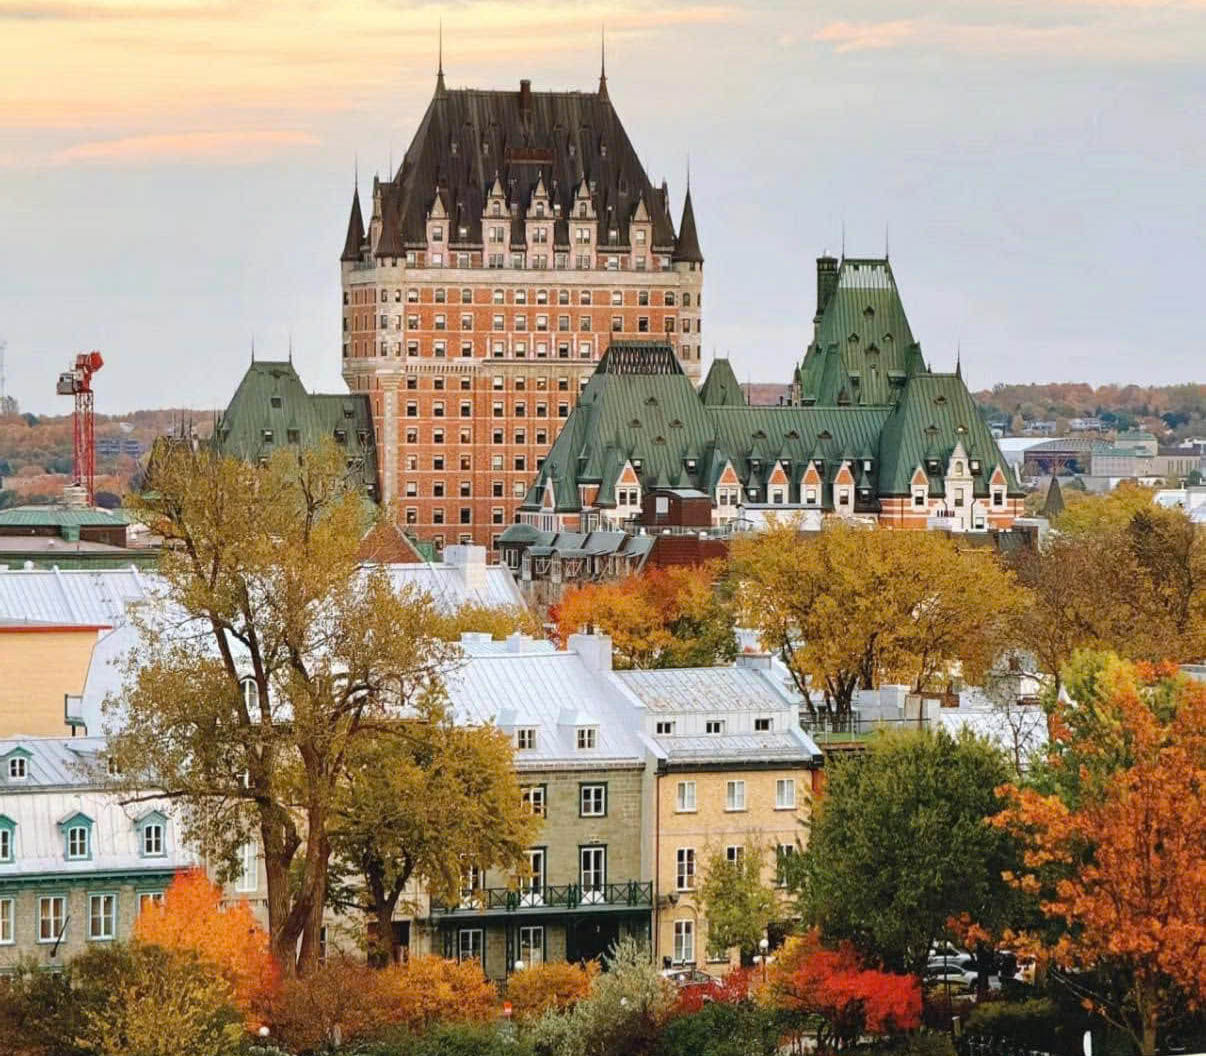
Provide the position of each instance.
(251, 694)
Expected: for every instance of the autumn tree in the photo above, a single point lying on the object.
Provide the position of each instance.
(192, 918)
(1117, 854)
(837, 991)
(499, 621)
(419, 801)
(553, 986)
(736, 900)
(850, 608)
(666, 617)
(271, 654)
(898, 846)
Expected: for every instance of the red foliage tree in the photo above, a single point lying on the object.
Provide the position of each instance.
(731, 990)
(849, 998)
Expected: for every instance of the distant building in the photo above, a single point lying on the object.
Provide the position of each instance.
(77, 865)
(1085, 425)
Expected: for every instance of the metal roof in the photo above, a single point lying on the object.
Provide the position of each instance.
(703, 689)
(88, 597)
(784, 746)
(36, 516)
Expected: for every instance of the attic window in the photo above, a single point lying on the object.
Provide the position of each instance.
(634, 424)
(18, 770)
(651, 401)
(636, 464)
(759, 435)
(341, 436)
(940, 399)
(853, 339)
(266, 435)
(293, 436)
(525, 738)
(659, 440)
(349, 413)
(588, 738)
(275, 401)
(961, 429)
(791, 435)
(887, 339)
(975, 465)
(676, 424)
(868, 312)
(824, 434)
(691, 465)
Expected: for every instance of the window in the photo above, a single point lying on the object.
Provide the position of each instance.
(248, 879)
(714, 726)
(762, 725)
(593, 872)
(684, 801)
(471, 944)
(6, 840)
(664, 727)
(6, 922)
(531, 945)
(147, 899)
(592, 801)
(684, 942)
(525, 738)
(734, 853)
(77, 841)
(685, 872)
(102, 913)
(533, 799)
(52, 912)
(782, 855)
(152, 839)
(587, 738)
(734, 795)
(617, 324)
(785, 793)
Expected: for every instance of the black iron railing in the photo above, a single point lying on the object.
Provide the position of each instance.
(634, 893)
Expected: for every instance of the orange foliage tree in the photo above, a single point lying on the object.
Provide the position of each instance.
(557, 985)
(666, 617)
(837, 988)
(432, 990)
(192, 917)
(1120, 857)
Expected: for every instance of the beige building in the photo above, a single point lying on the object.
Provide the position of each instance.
(41, 666)
(733, 774)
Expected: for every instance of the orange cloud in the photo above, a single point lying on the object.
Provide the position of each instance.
(234, 147)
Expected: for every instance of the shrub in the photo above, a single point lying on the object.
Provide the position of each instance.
(557, 985)
(430, 990)
(341, 994)
(454, 1039)
(721, 1029)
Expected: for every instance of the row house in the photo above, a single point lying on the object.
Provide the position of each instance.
(517, 240)
(77, 865)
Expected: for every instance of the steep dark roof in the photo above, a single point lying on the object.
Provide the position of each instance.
(468, 137)
(720, 387)
(687, 247)
(863, 346)
(272, 401)
(355, 236)
(1054, 504)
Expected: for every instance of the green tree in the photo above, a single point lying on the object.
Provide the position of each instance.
(421, 800)
(736, 901)
(279, 654)
(898, 846)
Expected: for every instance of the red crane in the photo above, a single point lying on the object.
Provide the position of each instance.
(78, 383)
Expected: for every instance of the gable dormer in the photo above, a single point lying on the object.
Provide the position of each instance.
(437, 231)
(958, 467)
(777, 484)
(843, 490)
(810, 485)
(584, 205)
(538, 206)
(998, 487)
(76, 829)
(151, 830)
(640, 233)
(8, 839)
(16, 765)
(919, 489)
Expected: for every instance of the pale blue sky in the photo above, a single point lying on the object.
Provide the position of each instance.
(175, 175)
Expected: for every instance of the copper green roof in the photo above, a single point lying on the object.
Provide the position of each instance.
(271, 409)
(720, 387)
(60, 516)
(863, 350)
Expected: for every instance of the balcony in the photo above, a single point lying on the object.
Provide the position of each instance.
(631, 894)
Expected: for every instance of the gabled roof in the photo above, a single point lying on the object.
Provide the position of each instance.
(468, 138)
(272, 397)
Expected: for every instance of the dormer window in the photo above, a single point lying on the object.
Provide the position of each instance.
(275, 401)
(636, 464)
(266, 435)
(525, 736)
(18, 768)
(437, 234)
(714, 726)
(588, 738)
(8, 833)
(151, 835)
(77, 837)
(975, 465)
(866, 465)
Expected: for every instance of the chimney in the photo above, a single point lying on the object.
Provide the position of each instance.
(471, 560)
(827, 277)
(594, 649)
(525, 96)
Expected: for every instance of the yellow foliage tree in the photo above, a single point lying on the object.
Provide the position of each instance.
(555, 985)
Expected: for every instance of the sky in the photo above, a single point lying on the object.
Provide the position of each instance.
(175, 175)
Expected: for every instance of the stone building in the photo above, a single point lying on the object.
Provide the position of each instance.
(517, 240)
(76, 864)
(870, 432)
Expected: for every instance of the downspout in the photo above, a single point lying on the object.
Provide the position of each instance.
(657, 867)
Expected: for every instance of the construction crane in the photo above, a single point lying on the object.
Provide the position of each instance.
(78, 383)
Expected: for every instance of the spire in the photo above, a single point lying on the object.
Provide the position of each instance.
(959, 362)
(602, 62)
(355, 235)
(687, 247)
(440, 89)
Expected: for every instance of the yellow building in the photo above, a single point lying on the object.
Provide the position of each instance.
(41, 665)
(733, 774)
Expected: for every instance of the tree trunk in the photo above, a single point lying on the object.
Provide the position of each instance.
(1147, 1045)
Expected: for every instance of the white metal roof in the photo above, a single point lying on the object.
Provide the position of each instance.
(88, 597)
(705, 689)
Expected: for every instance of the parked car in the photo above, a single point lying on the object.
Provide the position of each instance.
(937, 977)
(965, 961)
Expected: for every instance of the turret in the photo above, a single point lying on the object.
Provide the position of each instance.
(686, 248)
(827, 280)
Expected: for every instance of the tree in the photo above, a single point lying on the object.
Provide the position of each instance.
(276, 654)
(667, 617)
(898, 846)
(499, 621)
(159, 1003)
(1118, 853)
(846, 998)
(421, 800)
(552, 986)
(193, 919)
(1095, 514)
(850, 608)
(736, 901)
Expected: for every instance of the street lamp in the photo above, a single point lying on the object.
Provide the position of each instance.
(763, 946)
(520, 966)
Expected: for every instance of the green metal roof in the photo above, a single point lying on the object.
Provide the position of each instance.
(271, 409)
(720, 387)
(864, 349)
(60, 516)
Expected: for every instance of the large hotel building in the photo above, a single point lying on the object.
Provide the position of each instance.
(518, 239)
